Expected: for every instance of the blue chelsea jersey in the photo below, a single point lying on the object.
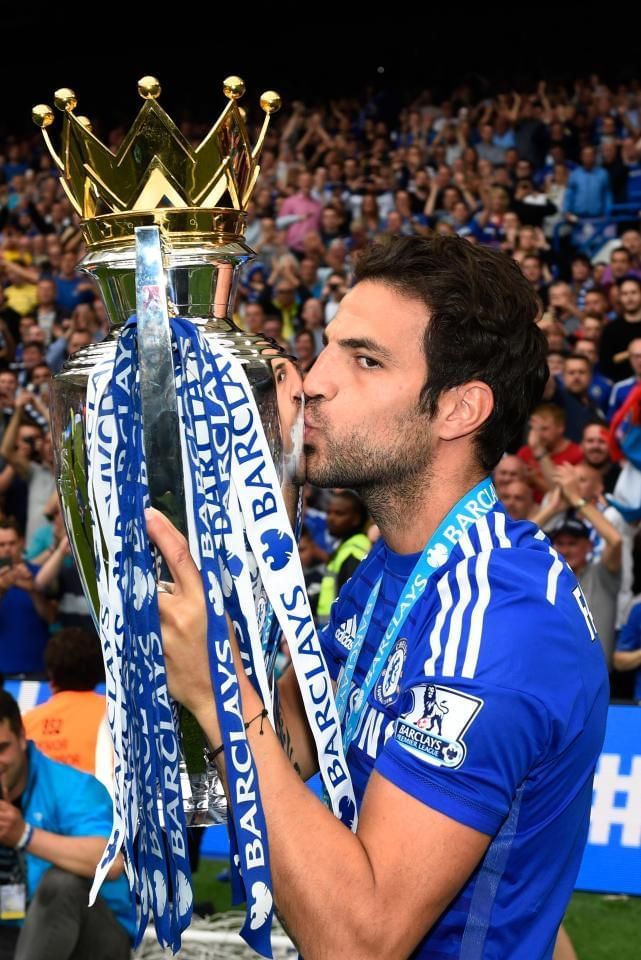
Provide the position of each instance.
(491, 709)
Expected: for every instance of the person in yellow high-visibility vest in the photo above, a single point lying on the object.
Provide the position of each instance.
(346, 519)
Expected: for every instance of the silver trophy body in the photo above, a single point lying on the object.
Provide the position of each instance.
(200, 285)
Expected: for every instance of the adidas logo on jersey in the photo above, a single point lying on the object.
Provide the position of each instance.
(346, 632)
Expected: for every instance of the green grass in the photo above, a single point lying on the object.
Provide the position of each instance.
(207, 887)
(604, 929)
(600, 929)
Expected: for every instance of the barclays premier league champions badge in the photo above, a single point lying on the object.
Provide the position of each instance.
(434, 727)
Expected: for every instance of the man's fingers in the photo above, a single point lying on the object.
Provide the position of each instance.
(175, 551)
(165, 606)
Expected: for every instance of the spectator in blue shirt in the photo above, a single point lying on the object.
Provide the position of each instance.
(70, 285)
(54, 822)
(630, 156)
(622, 388)
(627, 655)
(600, 387)
(588, 192)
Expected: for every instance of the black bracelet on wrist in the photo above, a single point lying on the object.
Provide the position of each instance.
(264, 713)
(259, 716)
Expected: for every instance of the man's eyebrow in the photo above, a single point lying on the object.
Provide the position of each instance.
(365, 343)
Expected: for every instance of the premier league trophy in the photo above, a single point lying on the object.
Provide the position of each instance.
(179, 409)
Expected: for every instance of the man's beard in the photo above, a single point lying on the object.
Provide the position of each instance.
(389, 475)
(595, 462)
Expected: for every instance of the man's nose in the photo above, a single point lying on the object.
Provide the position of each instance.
(320, 383)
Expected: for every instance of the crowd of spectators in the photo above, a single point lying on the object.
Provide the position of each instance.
(536, 173)
(550, 176)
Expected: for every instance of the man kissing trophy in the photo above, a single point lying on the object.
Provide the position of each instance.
(180, 410)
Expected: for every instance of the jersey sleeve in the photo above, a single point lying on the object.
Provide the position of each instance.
(630, 636)
(494, 689)
(464, 748)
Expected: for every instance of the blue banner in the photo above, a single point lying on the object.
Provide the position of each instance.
(612, 858)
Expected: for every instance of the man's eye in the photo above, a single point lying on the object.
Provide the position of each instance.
(367, 363)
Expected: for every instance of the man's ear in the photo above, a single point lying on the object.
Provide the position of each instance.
(463, 410)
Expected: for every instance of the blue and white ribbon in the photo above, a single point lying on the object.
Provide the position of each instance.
(241, 540)
(148, 809)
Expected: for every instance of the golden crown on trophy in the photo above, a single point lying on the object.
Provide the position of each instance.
(194, 194)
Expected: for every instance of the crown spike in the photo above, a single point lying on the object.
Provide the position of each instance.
(65, 99)
(156, 172)
(43, 116)
(270, 102)
(149, 88)
(233, 88)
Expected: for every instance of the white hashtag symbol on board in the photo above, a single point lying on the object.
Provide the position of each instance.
(607, 783)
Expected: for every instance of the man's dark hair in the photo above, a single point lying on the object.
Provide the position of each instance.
(9, 710)
(552, 410)
(582, 358)
(27, 421)
(10, 523)
(37, 345)
(482, 326)
(306, 333)
(582, 258)
(621, 249)
(276, 317)
(629, 278)
(594, 423)
(73, 660)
